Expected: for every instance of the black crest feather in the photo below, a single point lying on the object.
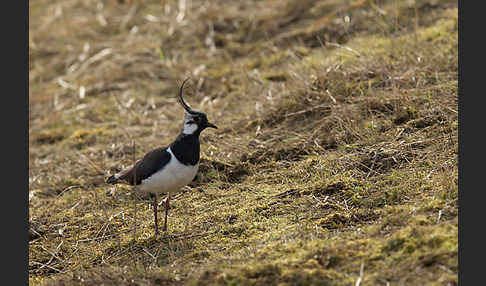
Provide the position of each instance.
(181, 100)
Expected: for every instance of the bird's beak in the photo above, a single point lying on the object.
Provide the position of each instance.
(209, 124)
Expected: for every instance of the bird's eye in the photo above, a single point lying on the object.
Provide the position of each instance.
(197, 119)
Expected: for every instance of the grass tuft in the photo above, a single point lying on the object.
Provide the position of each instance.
(335, 157)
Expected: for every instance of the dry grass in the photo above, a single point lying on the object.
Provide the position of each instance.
(335, 158)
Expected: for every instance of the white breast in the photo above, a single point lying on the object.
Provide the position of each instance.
(171, 178)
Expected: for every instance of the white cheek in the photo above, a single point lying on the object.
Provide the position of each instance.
(189, 128)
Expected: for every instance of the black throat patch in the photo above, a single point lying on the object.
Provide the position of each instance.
(186, 148)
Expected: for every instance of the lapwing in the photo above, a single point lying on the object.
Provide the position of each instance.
(166, 170)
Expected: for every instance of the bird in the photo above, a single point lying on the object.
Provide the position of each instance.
(165, 170)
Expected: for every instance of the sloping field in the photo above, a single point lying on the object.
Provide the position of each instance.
(335, 161)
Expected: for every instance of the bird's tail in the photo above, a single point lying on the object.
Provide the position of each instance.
(112, 180)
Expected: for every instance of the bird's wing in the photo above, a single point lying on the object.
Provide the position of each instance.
(150, 163)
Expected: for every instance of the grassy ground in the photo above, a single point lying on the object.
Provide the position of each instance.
(335, 160)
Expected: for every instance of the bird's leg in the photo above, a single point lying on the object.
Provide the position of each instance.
(156, 225)
(167, 199)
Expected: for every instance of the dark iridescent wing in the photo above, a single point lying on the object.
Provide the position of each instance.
(150, 164)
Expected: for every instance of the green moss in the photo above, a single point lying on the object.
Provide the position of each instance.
(336, 147)
(276, 76)
(82, 138)
(51, 136)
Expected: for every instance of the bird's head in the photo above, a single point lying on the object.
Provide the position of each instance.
(194, 121)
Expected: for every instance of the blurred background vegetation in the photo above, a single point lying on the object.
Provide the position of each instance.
(335, 161)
